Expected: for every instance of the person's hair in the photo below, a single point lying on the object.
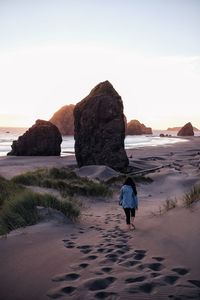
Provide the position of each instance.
(129, 181)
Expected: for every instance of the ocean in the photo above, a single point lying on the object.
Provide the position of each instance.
(8, 135)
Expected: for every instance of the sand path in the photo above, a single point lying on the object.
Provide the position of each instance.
(99, 259)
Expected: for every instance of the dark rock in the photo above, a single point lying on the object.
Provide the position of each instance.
(178, 128)
(64, 119)
(134, 127)
(186, 130)
(165, 135)
(99, 125)
(42, 139)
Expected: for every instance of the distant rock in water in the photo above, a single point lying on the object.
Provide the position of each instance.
(165, 135)
(64, 119)
(134, 127)
(42, 139)
(99, 129)
(186, 130)
(178, 128)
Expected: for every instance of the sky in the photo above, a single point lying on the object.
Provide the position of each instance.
(52, 53)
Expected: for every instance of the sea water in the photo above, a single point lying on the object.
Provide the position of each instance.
(8, 135)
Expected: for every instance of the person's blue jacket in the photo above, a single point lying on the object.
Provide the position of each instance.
(127, 197)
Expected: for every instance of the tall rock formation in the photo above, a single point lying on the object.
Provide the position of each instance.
(42, 139)
(186, 130)
(99, 129)
(134, 127)
(64, 119)
(178, 128)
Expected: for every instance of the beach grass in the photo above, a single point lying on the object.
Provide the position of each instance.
(21, 209)
(64, 180)
(192, 196)
(8, 188)
(18, 204)
(169, 204)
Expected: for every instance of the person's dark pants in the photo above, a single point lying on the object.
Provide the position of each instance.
(129, 212)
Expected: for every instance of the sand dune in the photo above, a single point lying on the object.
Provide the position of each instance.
(97, 258)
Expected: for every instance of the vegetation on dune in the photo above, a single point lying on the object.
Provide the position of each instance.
(169, 204)
(192, 196)
(8, 188)
(189, 198)
(64, 180)
(21, 209)
(18, 205)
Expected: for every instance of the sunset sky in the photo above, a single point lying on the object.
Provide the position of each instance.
(53, 52)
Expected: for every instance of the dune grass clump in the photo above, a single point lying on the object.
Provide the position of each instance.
(169, 204)
(64, 180)
(21, 209)
(36, 177)
(192, 196)
(8, 188)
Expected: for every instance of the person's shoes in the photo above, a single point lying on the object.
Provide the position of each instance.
(133, 226)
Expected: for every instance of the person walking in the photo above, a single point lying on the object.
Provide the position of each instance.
(129, 201)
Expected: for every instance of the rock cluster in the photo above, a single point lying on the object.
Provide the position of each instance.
(42, 139)
(134, 127)
(186, 130)
(165, 135)
(99, 129)
(64, 119)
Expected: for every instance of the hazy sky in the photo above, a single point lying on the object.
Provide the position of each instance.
(53, 52)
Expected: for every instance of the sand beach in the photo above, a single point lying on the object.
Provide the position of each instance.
(97, 257)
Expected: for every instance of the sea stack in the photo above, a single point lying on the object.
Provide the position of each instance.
(186, 130)
(64, 119)
(42, 139)
(99, 129)
(134, 127)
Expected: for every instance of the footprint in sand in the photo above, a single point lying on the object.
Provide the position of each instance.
(135, 279)
(99, 283)
(83, 265)
(145, 288)
(91, 257)
(158, 258)
(101, 250)
(112, 257)
(58, 293)
(106, 295)
(107, 269)
(129, 263)
(171, 279)
(85, 248)
(155, 274)
(195, 282)
(66, 277)
(139, 254)
(180, 270)
(155, 266)
(69, 244)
